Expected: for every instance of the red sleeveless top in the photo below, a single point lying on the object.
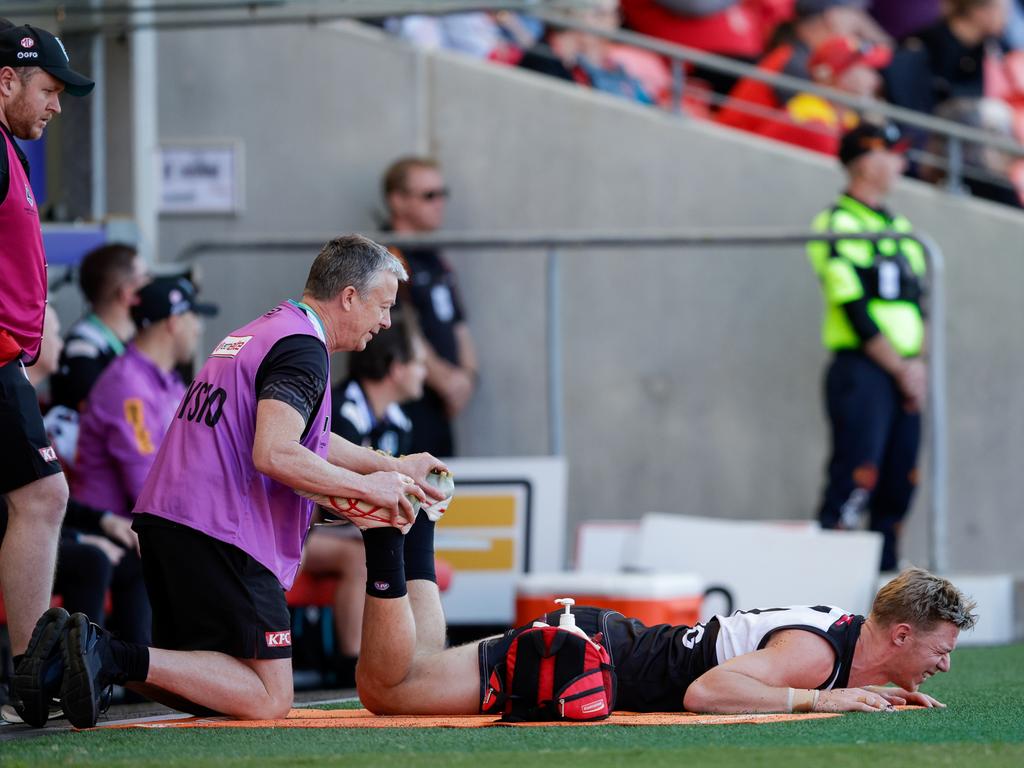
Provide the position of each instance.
(22, 265)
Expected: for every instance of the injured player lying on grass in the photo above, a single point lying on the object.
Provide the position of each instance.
(794, 659)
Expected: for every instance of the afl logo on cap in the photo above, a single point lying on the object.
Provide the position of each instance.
(27, 42)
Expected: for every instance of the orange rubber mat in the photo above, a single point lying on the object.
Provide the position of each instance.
(361, 718)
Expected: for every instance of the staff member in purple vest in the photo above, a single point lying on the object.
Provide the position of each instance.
(34, 72)
(219, 524)
(136, 398)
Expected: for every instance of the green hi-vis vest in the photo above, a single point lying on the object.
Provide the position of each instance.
(888, 274)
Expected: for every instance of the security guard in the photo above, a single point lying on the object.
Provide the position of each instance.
(875, 387)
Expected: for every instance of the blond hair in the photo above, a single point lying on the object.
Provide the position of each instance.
(922, 600)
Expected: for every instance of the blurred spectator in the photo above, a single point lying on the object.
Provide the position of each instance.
(947, 60)
(737, 28)
(752, 102)
(499, 36)
(109, 277)
(476, 34)
(415, 194)
(876, 386)
(816, 123)
(1014, 34)
(988, 171)
(901, 18)
(588, 59)
(136, 397)
(367, 412)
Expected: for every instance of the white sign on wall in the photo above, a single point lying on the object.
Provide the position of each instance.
(507, 519)
(201, 178)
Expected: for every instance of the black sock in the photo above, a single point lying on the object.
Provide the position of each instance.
(419, 550)
(131, 660)
(385, 573)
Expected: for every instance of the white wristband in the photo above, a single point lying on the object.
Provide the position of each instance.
(789, 700)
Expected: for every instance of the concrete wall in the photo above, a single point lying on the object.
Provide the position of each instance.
(692, 378)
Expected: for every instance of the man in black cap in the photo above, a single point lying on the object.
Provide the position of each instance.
(875, 387)
(133, 401)
(34, 71)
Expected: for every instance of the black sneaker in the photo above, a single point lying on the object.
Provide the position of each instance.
(88, 669)
(38, 678)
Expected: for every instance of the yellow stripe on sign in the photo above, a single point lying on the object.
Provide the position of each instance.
(480, 512)
(498, 556)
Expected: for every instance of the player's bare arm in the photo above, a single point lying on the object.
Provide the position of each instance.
(762, 681)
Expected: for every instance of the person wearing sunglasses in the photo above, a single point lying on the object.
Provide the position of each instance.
(415, 195)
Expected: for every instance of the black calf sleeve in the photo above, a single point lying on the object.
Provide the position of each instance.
(419, 550)
(385, 572)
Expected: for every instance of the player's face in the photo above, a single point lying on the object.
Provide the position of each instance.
(373, 308)
(33, 104)
(925, 654)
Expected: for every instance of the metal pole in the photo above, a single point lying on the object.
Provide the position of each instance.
(98, 127)
(939, 442)
(678, 85)
(556, 415)
(145, 134)
(955, 169)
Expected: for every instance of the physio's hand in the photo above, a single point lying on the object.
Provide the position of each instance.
(390, 491)
(113, 552)
(900, 696)
(418, 466)
(120, 530)
(852, 700)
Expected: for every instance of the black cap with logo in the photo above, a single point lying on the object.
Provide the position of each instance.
(867, 137)
(28, 46)
(165, 297)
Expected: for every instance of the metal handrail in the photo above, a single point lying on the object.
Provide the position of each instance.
(285, 13)
(555, 242)
(739, 69)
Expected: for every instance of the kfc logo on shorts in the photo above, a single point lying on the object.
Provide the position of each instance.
(27, 42)
(279, 639)
(48, 453)
(381, 586)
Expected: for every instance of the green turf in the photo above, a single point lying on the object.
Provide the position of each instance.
(983, 726)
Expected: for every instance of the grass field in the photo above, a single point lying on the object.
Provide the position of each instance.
(983, 726)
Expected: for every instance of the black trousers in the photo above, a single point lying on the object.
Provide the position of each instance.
(84, 574)
(875, 443)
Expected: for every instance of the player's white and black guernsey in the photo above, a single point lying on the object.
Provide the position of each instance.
(655, 665)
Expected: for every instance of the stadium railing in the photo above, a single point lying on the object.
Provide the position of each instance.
(554, 243)
(954, 136)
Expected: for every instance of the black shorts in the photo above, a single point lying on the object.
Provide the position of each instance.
(26, 454)
(653, 665)
(210, 596)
